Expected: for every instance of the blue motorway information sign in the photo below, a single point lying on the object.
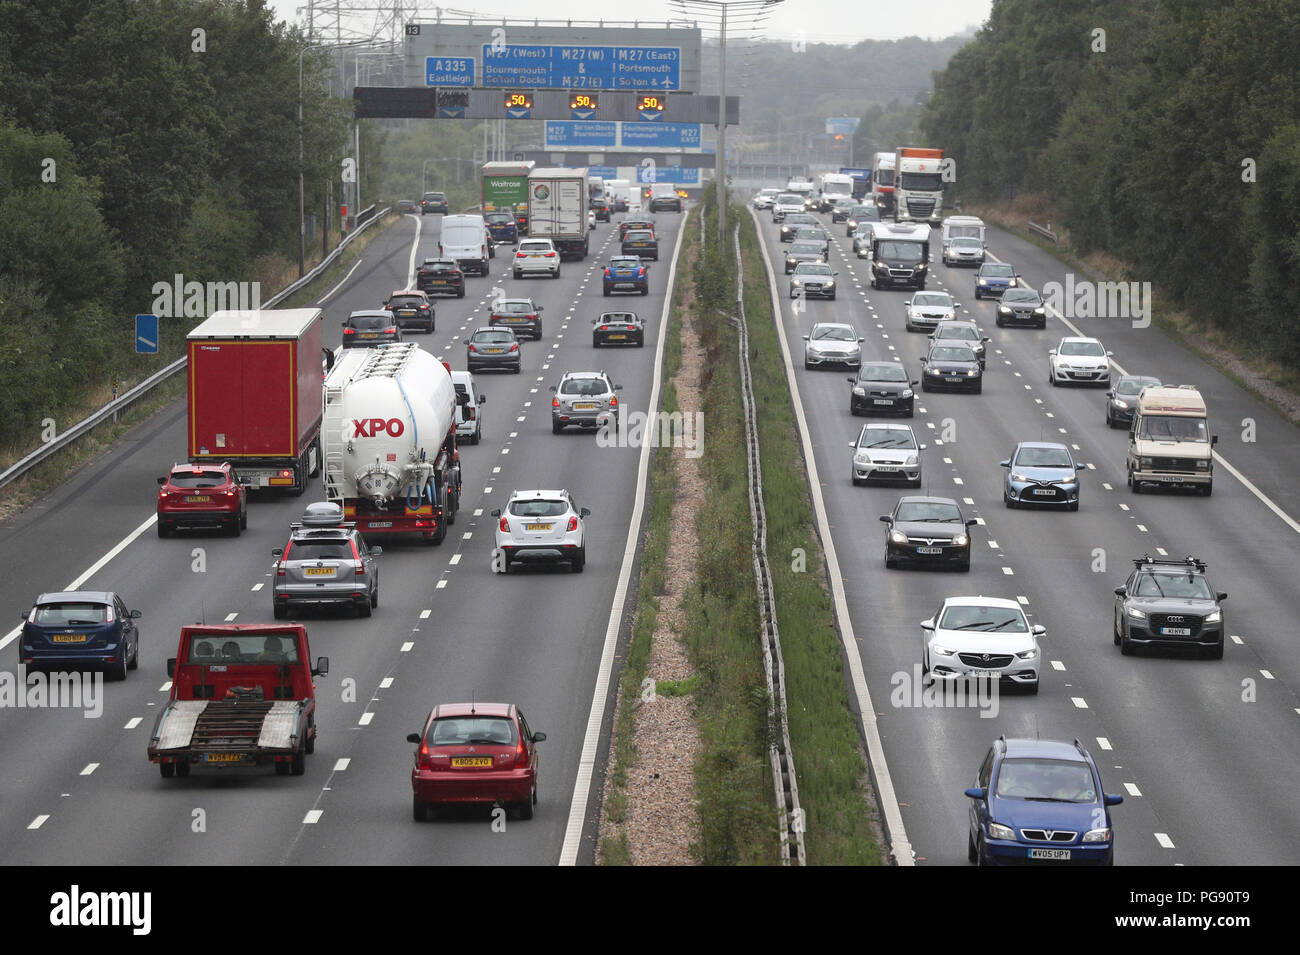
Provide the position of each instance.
(596, 135)
(542, 66)
(448, 71)
(561, 133)
(661, 135)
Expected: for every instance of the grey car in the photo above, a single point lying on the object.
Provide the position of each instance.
(813, 234)
(832, 343)
(493, 348)
(325, 562)
(1169, 603)
(800, 252)
(1041, 472)
(925, 310)
(794, 221)
(961, 331)
(1122, 400)
(586, 399)
(813, 279)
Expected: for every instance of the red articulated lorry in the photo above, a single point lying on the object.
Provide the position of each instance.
(256, 395)
(242, 695)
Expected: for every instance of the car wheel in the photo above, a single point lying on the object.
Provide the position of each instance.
(555, 274)
(526, 807)
(1125, 644)
(518, 368)
(477, 436)
(279, 610)
(982, 854)
(168, 770)
(970, 848)
(1074, 505)
(1043, 323)
(298, 765)
(1007, 499)
(1000, 322)
(421, 811)
(538, 336)
(1209, 489)
(518, 274)
(556, 427)
(1214, 652)
(310, 746)
(243, 515)
(162, 529)
(890, 563)
(640, 342)
(606, 293)
(595, 341)
(363, 608)
(374, 598)
(645, 291)
(1114, 633)
(581, 562)
(460, 292)
(118, 670)
(232, 528)
(917, 482)
(924, 386)
(134, 663)
(1051, 378)
(807, 365)
(979, 388)
(1032, 688)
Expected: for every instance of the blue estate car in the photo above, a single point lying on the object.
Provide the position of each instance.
(1039, 801)
(85, 628)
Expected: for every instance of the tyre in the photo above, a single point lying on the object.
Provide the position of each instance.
(162, 529)
(310, 746)
(555, 274)
(518, 274)
(526, 807)
(1074, 505)
(117, 671)
(965, 568)
(518, 368)
(298, 765)
(1209, 489)
(477, 436)
(924, 386)
(1114, 634)
(538, 336)
(1043, 323)
(646, 290)
(374, 598)
(460, 292)
(419, 810)
(1006, 499)
(970, 848)
(363, 608)
(243, 515)
(1032, 688)
(606, 293)
(1125, 644)
(890, 563)
(581, 562)
(979, 388)
(556, 427)
(595, 342)
(168, 770)
(982, 854)
(1001, 324)
(916, 483)
(134, 662)
(1213, 653)
(232, 528)
(279, 610)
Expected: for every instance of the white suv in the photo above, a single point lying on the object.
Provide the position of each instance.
(536, 255)
(546, 525)
(981, 638)
(1080, 360)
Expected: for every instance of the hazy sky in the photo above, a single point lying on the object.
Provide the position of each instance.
(820, 21)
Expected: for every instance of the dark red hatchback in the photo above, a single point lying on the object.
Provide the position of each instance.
(207, 495)
(475, 753)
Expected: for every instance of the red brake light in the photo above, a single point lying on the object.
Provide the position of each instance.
(519, 255)
(555, 402)
(613, 402)
(521, 754)
(607, 270)
(357, 565)
(471, 347)
(641, 271)
(390, 329)
(505, 526)
(279, 568)
(573, 523)
(550, 255)
(349, 331)
(514, 347)
(604, 328)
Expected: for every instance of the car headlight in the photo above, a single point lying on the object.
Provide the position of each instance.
(1040, 311)
(1027, 654)
(943, 651)
(1004, 309)
(1215, 617)
(862, 458)
(830, 284)
(1135, 613)
(910, 462)
(921, 267)
(1202, 465)
(961, 540)
(1016, 476)
(997, 831)
(1144, 462)
(1095, 835)
(859, 390)
(972, 372)
(1120, 403)
(880, 264)
(897, 537)
(906, 393)
(981, 282)
(1070, 478)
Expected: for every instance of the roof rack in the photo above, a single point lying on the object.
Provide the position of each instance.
(1188, 561)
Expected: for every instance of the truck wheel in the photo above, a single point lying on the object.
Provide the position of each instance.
(168, 770)
(311, 735)
(299, 764)
(419, 810)
(281, 769)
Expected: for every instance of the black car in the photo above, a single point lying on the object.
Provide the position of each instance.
(601, 208)
(412, 307)
(1169, 603)
(407, 205)
(1022, 306)
(928, 530)
(958, 330)
(493, 348)
(840, 211)
(1121, 401)
(636, 222)
(813, 234)
(367, 328)
(881, 387)
(433, 202)
(623, 328)
(858, 215)
(952, 365)
(800, 252)
(442, 276)
(641, 242)
(796, 220)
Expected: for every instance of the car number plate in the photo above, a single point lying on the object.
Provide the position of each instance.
(885, 467)
(1171, 479)
(318, 571)
(1061, 855)
(882, 401)
(197, 499)
(68, 638)
(407, 313)
(368, 334)
(983, 674)
(929, 550)
(538, 527)
(617, 337)
(516, 321)
(484, 762)
(1176, 631)
(379, 524)
(585, 406)
(1045, 491)
(495, 351)
(223, 757)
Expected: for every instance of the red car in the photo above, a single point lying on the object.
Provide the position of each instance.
(202, 495)
(475, 753)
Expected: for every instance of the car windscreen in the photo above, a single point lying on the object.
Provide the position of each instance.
(617, 318)
(834, 333)
(535, 247)
(639, 235)
(904, 252)
(1172, 428)
(500, 218)
(516, 308)
(957, 333)
(1086, 349)
(244, 648)
(624, 263)
(190, 479)
(70, 613)
(812, 268)
(921, 181)
(929, 299)
(963, 231)
(1046, 780)
(405, 301)
(883, 373)
(865, 212)
(991, 619)
(1172, 584)
(997, 271)
(928, 511)
(494, 337)
(952, 353)
(369, 321)
(540, 507)
(805, 248)
(886, 438)
(1131, 386)
(472, 731)
(439, 267)
(799, 219)
(961, 242)
(1020, 295)
(1044, 458)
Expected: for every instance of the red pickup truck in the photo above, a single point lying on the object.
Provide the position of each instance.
(242, 695)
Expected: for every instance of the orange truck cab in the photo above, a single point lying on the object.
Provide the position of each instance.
(242, 695)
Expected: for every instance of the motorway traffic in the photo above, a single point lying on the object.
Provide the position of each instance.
(1203, 752)
(449, 629)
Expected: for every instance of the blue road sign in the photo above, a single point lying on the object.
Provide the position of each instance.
(677, 175)
(841, 125)
(661, 135)
(448, 71)
(542, 66)
(565, 132)
(146, 334)
(604, 172)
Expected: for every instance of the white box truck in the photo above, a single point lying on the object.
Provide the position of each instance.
(557, 209)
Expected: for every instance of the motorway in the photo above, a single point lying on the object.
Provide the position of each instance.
(81, 791)
(1205, 753)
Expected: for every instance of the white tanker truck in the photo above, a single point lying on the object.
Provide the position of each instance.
(389, 441)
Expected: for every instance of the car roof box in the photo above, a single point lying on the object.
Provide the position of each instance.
(322, 514)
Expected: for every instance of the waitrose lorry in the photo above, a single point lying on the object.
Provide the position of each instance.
(505, 186)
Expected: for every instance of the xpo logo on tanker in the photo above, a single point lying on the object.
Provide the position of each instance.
(373, 427)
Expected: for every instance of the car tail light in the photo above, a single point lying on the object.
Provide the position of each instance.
(521, 754)
(349, 331)
(514, 347)
(390, 330)
(388, 308)
(550, 255)
(357, 564)
(641, 271)
(555, 402)
(284, 558)
(471, 347)
(108, 614)
(604, 328)
(607, 271)
(613, 402)
(423, 759)
(505, 526)
(573, 524)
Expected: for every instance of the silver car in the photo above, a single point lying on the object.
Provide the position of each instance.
(813, 278)
(536, 257)
(832, 343)
(587, 399)
(963, 250)
(925, 310)
(326, 561)
(885, 451)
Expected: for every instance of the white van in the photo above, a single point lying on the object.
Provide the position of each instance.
(465, 239)
(469, 421)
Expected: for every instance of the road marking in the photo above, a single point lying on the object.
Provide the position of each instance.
(1266, 674)
(386, 682)
(1080, 702)
(1164, 840)
(478, 512)
(440, 585)
(90, 768)
(365, 719)
(231, 616)
(968, 500)
(505, 450)
(455, 559)
(38, 821)
(1132, 789)
(1023, 600)
(342, 763)
(132, 723)
(1160, 550)
(1142, 528)
(993, 545)
(467, 535)
(1107, 486)
(1058, 665)
(1123, 507)
(258, 586)
(1008, 571)
(166, 687)
(1235, 639)
(1103, 742)
(406, 647)
(312, 817)
(324, 298)
(488, 489)
(424, 614)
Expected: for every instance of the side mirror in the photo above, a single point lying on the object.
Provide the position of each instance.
(915, 382)
(1051, 351)
(886, 519)
(956, 304)
(851, 379)
(923, 361)
(1109, 353)
(496, 512)
(1114, 799)
(618, 387)
(413, 737)
(805, 338)
(923, 447)
(171, 666)
(162, 480)
(585, 512)
(1006, 464)
(376, 551)
(927, 624)
(1110, 394)
(1121, 591)
(971, 522)
(482, 399)
(986, 339)
(1214, 439)
(1223, 596)
(278, 552)
(135, 615)
(853, 444)
(539, 737)
(322, 666)
(861, 339)
(977, 792)
(552, 387)
(540, 308)
(1038, 630)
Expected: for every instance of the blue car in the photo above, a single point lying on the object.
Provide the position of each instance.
(1039, 802)
(502, 227)
(85, 628)
(1041, 472)
(626, 273)
(994, 278)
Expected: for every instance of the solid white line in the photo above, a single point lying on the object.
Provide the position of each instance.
(902, 849)
(591, 738)
(415, 247)
(324, 298)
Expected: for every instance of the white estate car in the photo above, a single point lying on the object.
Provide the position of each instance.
(1080, 360)
(536, 256)
(541, 525)
(982, 638)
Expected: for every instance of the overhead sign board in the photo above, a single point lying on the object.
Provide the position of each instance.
(661, 136)
(527, 55)
(561, 134)
(841, 125)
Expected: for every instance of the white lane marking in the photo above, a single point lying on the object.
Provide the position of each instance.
(406, 647)
(38, 821)
(1123, 507)
(1164, 840)
(455, 559)
(1080, 702)
(365, 719)
(488, 489)
(958, 480)
(514, 434)
(342, 763)
(1024, 601)
(467, 535)
(505, 450)
(132, 723)
(1266, 675)
(1103, 742)
(497, 469)
(1107, 486)
(1132, 789)
(440, 585)
(424, 614)
(386, 682)
(166, 687)
(520, 418)
(992, 544)
(231, 616)
(478, 512)
(968, 500)
(1162, 552)
(1142, 528)
(1235, 639)
(1008, 571)
(257, 587)
(343, 281)
(1058, 665)
(312, 817)
(90, 768)
(947, 460)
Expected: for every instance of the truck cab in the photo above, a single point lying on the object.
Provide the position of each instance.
(1169, 443)
(242, 695)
